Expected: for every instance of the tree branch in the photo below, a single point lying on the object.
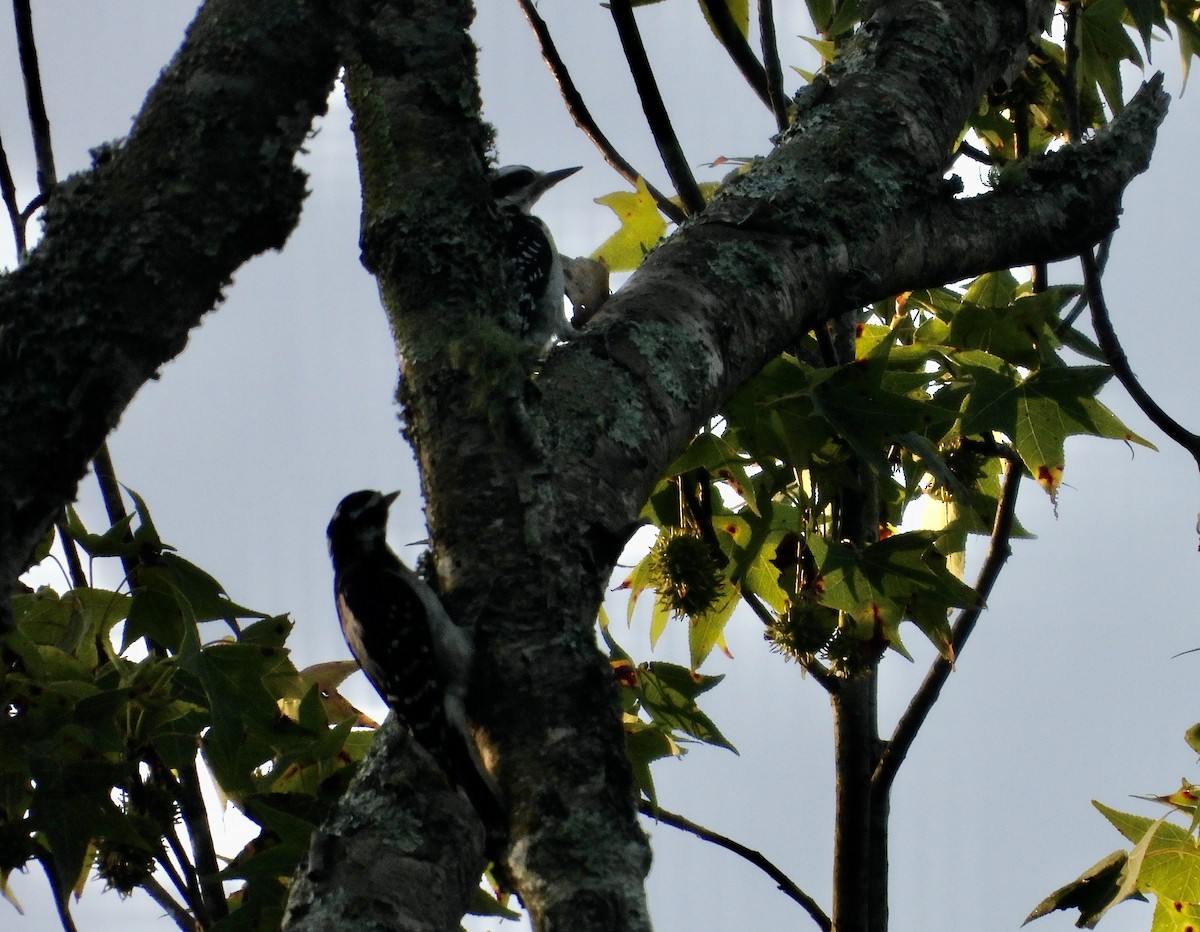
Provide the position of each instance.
(39, 122)
(152, 233)
(8, 193)
(573, 100)
(655, 110)
(927, 693)
(739, 49)
(159, 894)
(1106, 336)
(774, 68)
(782, 881)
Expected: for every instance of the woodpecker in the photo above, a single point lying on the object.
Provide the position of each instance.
(531, 251)
(415, 656)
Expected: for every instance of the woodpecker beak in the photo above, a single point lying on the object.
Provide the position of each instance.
(389, 498)
(550, 179)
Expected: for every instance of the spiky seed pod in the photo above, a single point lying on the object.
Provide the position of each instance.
(123, 866)
(805, 630)
(683, 573)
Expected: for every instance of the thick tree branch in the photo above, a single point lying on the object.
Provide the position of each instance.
(136, 250)
(380, 860)
(847, 210)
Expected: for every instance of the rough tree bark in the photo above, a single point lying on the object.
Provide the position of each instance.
(532, 486)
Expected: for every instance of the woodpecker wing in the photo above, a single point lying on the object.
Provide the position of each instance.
(531, 253)
(413, 685)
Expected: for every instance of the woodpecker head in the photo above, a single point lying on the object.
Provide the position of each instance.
(359, 523)
(520, 186)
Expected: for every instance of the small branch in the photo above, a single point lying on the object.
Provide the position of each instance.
(739, 49)
(186, 789)
(814, 667)
(158, 893)
(756, 858)
(110, 493)
(186, 881)
(654, 108)
(1106, 336)
(978, 155)
(176, 879)
(8, 193)
(74, 566)
(771, 63)
(927, 693)
(39, 122)
(1082, 301)
(1070, 84)
(60, 893)
(582, 115)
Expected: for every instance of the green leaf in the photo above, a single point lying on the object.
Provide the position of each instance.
(1103, 44)
(1143, 13)
(668, 693)
(206, 596)
(901, 577)
(1170, 861)
(1040, 411)
(1093, 893)
(644, 744)
(706, 631)
(115, 542)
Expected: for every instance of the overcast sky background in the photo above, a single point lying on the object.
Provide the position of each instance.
(282, 403)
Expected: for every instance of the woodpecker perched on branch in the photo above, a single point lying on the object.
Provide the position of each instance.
(415, 656)
(531, 250)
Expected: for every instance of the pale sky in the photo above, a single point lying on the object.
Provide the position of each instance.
(282, 403)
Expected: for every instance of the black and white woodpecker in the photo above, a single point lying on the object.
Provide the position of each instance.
(415, 656)
(531, 251)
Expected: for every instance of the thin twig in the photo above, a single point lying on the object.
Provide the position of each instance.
(1082, 302)
(814, 667)
(1021, 136)
(654, 108)
(583, 116)
(190, 888)
(738, 48)
(195, 818)
(978, 155)
(60, 894)
(159, 894)
(927, 694)
(756, 858)
(39, 122)
(1106, 336)
(771, 63)
(8, 193)
(74, 565)
(1070, 84)
(174, 876)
